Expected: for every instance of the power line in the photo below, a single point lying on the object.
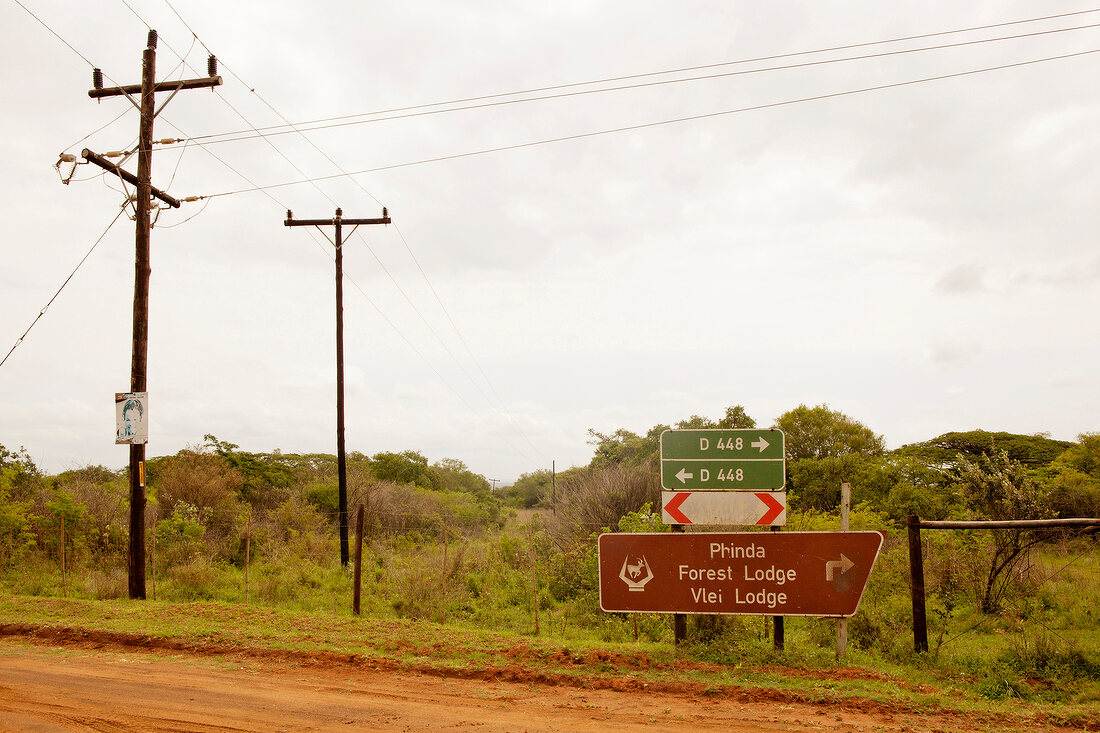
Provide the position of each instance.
(677, 120)
(369, 248)
(55, 33)
(247, 179)
(374, 254)
(70, 277)
(410, 112)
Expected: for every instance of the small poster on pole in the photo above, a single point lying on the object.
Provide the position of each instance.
(131, 417)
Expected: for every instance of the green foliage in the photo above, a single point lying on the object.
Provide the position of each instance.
(406, 467)
(815, 482)
(179, 536)
(624, 448)
(531, 489)
(819, 432)
(452, 474)
(105, 495)
(19, 477)
(439, 546)
(1073, 479)
(736, 417)
(643, 520)
(1033, 451)
(16, 537)
(264, 477)
(1000, 488)
(65, 511)
(325, 498)
(301, 531)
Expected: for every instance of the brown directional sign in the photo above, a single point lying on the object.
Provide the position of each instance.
(754, 573)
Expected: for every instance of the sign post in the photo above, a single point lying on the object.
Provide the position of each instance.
(743, 573)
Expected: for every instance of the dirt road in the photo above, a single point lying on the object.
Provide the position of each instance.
(44, 688)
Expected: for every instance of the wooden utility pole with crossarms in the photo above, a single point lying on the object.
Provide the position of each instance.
(146, 105)
(338, 223)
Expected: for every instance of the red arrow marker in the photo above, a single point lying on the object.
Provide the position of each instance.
(673, 507)
(775, 508)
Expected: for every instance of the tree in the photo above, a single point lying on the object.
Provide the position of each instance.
(455, 476)
(20, 477)
(266, 478)
(406, 467)
(624, 447)
(736, 417)
(999, 488)
(531, 489)
(818, 432)
(1073, 478)
(1034, 451)
(696, 422)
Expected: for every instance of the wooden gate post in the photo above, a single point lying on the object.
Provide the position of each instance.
(916, 583)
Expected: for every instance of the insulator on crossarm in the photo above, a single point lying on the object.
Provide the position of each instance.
(152, 39)
(97, 78)
(192, 199)
(68, 158)
(114, 154)
(212, 66)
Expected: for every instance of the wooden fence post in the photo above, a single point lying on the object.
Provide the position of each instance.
(247, 552)
(534, 579)
(443, 579)
(358, 581)
(64, 583)
(916, 583)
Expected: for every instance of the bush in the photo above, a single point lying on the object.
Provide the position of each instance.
(592, 499)
(179, 537)
(107, 583)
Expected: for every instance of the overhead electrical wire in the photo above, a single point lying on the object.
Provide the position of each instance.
(409, 112)
(408, 249)
(350, 175)
(673, 121)
(500, 409)
(370, 249)
(66, 282)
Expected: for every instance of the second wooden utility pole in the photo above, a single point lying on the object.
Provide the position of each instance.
(341, 459)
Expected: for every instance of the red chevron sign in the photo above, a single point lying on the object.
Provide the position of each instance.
(766, 508)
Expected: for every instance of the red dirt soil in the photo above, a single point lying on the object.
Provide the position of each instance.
(71, 679)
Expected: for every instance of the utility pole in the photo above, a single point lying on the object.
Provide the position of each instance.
(341, 458)
(139, 355)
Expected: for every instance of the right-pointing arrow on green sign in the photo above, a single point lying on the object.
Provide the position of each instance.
(722, 460)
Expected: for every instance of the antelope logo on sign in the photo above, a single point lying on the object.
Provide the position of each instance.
(636, 574)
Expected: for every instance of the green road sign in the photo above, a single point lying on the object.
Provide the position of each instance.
(722, 460)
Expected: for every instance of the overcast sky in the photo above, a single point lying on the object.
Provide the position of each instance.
(923, 258)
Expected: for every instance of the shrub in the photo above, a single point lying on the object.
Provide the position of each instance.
(179, 536)
(107, 583)
(592, 499)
